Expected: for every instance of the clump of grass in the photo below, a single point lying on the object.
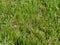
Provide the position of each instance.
(29, 22)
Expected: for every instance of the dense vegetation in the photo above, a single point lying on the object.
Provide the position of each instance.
(29, 22)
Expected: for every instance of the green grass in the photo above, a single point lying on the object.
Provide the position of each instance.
(29, 22)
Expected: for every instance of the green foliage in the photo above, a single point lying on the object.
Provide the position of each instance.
(29, 22)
